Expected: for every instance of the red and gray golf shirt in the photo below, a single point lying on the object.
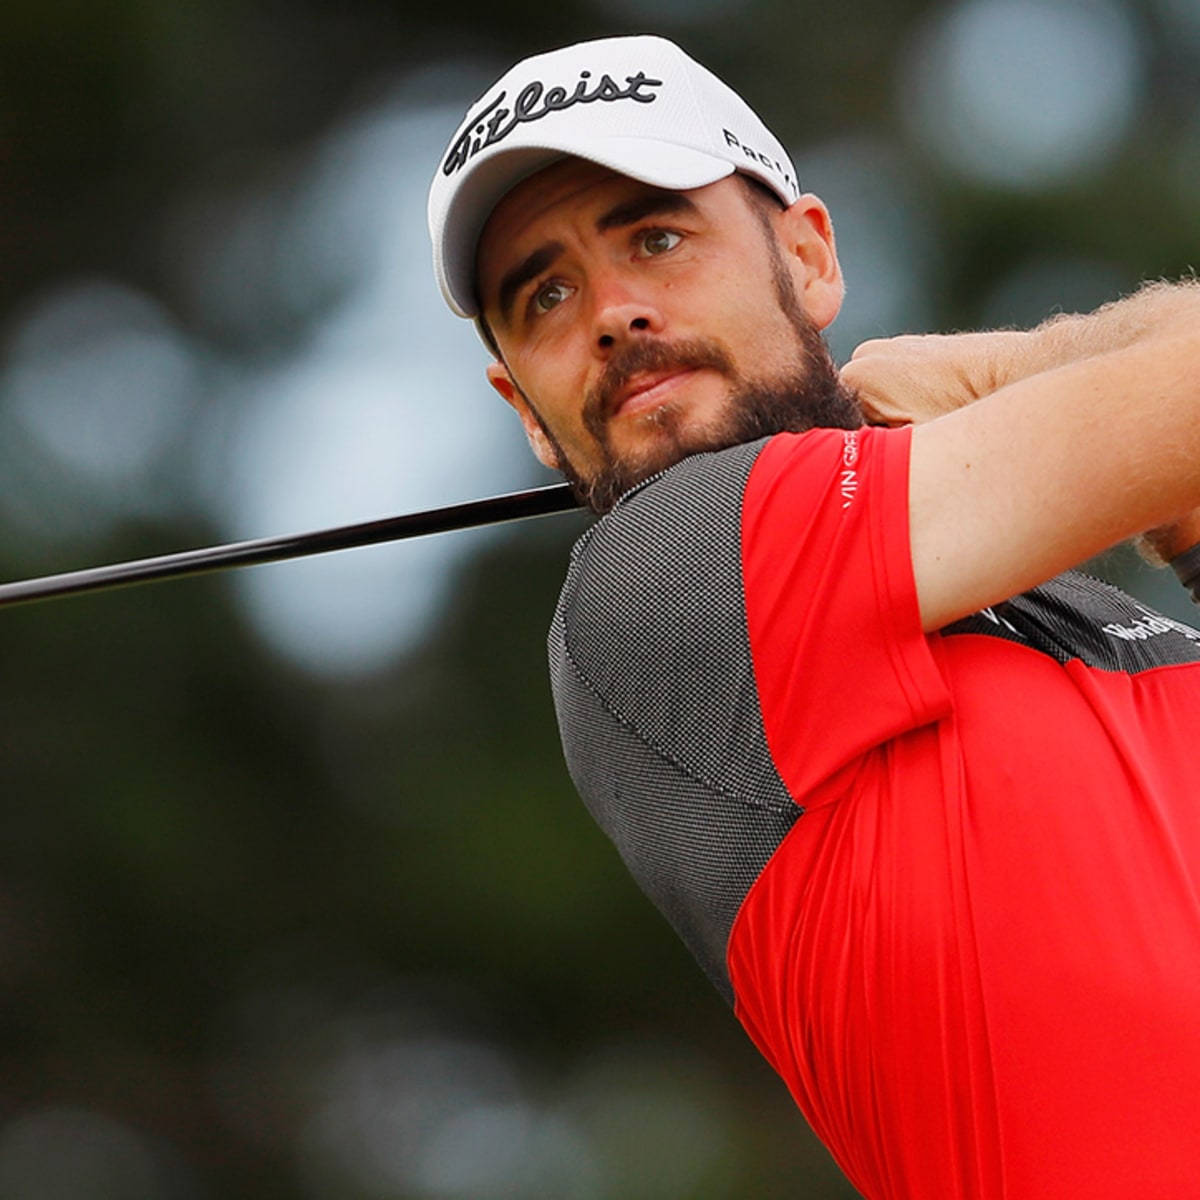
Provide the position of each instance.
(950, 883)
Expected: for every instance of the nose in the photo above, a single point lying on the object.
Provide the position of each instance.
(622, 313)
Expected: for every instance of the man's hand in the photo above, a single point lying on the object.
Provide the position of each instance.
(912, 379)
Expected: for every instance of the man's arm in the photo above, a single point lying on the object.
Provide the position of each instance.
(1071, 455)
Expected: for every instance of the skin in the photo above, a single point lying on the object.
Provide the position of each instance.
(1056, 448)
(572, 341)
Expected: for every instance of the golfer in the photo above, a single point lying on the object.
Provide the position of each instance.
(921, 800)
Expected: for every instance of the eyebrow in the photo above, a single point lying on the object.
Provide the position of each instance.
(655, 203)
(528, 268)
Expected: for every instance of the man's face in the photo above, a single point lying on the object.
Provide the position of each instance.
(637, 325)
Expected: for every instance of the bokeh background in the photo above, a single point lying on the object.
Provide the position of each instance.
(296, 900)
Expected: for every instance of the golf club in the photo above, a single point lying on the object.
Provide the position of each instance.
(493, 510)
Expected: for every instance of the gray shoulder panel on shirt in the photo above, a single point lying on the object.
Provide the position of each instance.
(657, 704)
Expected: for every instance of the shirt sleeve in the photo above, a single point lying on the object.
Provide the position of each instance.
(841, 663)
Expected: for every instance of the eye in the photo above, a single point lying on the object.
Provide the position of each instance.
(550, 295)
(658, 241)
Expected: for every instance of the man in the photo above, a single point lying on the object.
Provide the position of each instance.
(922, 806)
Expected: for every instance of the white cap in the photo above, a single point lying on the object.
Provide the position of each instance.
(637, 105)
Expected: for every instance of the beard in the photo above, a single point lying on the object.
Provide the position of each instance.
(807, 394)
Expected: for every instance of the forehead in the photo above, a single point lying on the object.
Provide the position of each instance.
(564, 186)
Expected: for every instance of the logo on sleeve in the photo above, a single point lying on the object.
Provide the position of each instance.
(1149, 624)
(849, 474)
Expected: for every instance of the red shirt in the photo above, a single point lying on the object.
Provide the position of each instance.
(976, 960)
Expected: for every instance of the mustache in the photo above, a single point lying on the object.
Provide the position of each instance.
(640, 356)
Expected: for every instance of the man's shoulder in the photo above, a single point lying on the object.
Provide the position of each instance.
(698, 482)
(650, 639)
(685, 513)
(668, 525)
(656, 583)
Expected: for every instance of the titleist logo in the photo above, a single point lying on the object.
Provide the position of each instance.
(533, 102)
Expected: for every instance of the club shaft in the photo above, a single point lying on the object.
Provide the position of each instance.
(493, 510)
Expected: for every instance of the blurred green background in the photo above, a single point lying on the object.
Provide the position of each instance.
(296, 900)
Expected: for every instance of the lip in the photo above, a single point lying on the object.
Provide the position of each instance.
(648, 390)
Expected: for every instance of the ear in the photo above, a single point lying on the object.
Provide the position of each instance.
(499, 377)
(806, 232)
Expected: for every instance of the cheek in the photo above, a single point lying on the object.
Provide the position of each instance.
(555, 392)
(558, 362)
(726, 294)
